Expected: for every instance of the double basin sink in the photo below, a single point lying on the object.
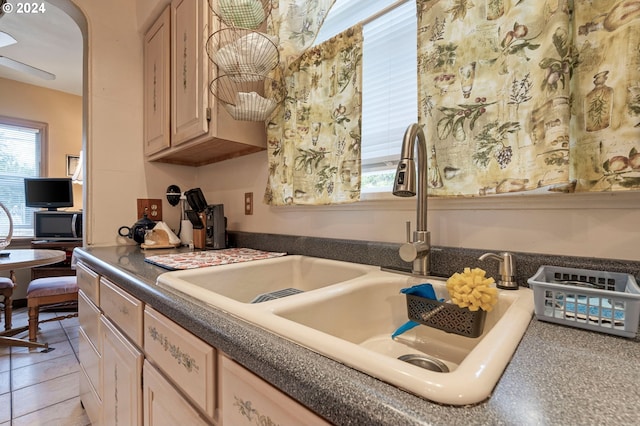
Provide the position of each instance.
(348, 311)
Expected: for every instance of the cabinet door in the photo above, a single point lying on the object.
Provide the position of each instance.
(189, 70)
(122, 378)
(163, 404)
(157, 88)
(183, 358)
(247, 400)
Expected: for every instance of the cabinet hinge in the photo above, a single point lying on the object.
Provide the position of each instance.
(208, 114)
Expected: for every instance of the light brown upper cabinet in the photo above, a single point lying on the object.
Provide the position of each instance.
(201, 130)
(157, 85)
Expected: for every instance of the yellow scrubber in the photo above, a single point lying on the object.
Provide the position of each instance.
(471, 289)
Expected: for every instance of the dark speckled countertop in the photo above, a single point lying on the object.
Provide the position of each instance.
(558, 375)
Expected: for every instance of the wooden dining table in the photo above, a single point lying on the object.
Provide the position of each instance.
(11, 260)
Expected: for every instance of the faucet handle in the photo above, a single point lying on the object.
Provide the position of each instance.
(507, 267)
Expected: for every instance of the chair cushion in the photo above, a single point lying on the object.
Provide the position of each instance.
(6, 283)
(51, 286)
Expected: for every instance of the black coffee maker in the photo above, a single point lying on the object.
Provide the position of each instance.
(216, 227)
(209, 223)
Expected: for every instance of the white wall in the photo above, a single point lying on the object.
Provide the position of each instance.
(591, 225)
(116, 172)
(601, 225)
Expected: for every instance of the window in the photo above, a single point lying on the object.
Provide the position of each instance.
(22, 147)
(390, 94)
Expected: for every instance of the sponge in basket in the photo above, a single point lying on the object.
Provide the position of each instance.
(473, 290)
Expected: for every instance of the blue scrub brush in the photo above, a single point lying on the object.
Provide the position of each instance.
(423, 290)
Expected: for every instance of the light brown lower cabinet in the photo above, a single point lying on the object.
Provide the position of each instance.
(122, 378)
(246, 399)
(90, 400)
(139, 367)
(188, 362)
(163, 404)
(90, 343)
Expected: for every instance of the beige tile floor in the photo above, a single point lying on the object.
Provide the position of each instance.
(39, 388)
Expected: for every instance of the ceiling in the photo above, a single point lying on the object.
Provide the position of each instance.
(50, 41)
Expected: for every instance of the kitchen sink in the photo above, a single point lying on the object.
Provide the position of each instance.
(256, 280)
(348, 312)
(354, 324)
(367, 313)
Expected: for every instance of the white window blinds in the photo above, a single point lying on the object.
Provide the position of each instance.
(20, 153)
(389, 98)
(19, 150)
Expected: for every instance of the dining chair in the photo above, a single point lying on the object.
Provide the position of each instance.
(6, 290)
(46, 293)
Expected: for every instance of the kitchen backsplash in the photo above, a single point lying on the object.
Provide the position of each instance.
(445, 261)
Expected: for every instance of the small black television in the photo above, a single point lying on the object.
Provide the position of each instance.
(48, 193)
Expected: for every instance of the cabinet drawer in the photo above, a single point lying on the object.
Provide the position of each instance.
(185, 359)
(124, 310)
(89, 282)
(245, 398)
(89, 318)
(163, 404)
(90, 361)
(90, 400)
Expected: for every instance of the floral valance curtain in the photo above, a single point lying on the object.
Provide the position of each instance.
(296, 23)
(520, 95)
(313, 138)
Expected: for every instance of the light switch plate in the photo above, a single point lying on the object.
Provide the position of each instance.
(153, 206)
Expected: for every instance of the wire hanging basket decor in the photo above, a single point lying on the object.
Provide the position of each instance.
(239, 51)
(249, 14)
(248, 97)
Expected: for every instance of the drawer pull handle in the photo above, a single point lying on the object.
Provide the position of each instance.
(183, 358)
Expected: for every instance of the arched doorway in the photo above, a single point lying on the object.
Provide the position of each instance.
(76, 14)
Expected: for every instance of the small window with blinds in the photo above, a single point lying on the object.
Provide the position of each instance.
(389, 98)
(22, 145)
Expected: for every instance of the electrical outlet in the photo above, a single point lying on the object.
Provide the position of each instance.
(153, 208)
(248, 203)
